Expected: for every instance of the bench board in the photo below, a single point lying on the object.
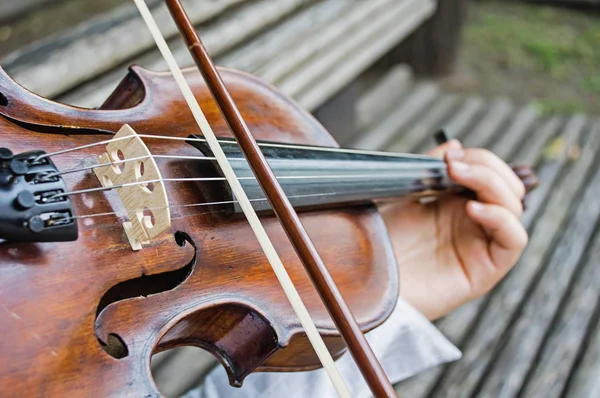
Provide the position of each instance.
(536, 333)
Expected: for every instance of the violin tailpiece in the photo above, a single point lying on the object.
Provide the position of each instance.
(147, 205)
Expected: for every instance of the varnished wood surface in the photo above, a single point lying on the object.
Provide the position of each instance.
(270, 39)
(50, 293)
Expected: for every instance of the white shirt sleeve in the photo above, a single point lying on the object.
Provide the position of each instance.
(406, 344)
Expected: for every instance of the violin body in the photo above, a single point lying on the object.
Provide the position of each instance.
(83, 318)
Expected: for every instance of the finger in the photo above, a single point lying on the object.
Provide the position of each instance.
(487, 184)
(508, 237)
(441, 150)
(491, 160)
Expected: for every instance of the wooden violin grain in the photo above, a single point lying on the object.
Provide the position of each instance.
(230, 303)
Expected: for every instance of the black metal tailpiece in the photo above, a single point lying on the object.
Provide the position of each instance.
(29, 211)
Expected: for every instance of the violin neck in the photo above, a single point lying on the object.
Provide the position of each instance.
(316, 177)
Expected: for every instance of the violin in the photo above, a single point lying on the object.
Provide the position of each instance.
(120, 236)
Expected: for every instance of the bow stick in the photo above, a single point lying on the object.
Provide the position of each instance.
(334, 302)
(332, 298)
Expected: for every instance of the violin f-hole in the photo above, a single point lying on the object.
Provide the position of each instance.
(143, 286)
(146, 285)
(115, 346)
(3, 99)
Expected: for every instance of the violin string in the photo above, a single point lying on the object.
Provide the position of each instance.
(177, 157)
(78, 148)
(92, 167)
(260, 144)
(210, 179)
(116, 162)
(129, 184)
(222, 202)
(199, 204)
(299, 146)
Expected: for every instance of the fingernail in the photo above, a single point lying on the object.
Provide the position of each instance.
(459, 167)
(455, 154)
(476, 207)
(531, 183)
(456, 143)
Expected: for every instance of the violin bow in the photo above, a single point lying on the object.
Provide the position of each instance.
(330, 295)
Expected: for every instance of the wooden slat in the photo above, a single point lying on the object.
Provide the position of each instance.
(584, 381)
(367, 46)
(507, 375)
(533, 150)
(509, 139)
(276, 41)
(92, 49)
(183, 370)
(161, 359)
(465, 117)
(219, 36)
(235, 27)
(420, 97)
(496, 115)
(422, 129)
(567, 332)
(455, 326)
(315, 66)
(45, 20)
(464, 376)
(550, 169)
(321, 40)
(459, 123)
(382, 98)
(347, 36)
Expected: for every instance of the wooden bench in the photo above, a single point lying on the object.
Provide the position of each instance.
(312, 50)
(537, 334)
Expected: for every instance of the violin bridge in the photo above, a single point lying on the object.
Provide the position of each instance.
(146, 204)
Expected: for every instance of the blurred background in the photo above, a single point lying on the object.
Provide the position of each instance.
(521, 78)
